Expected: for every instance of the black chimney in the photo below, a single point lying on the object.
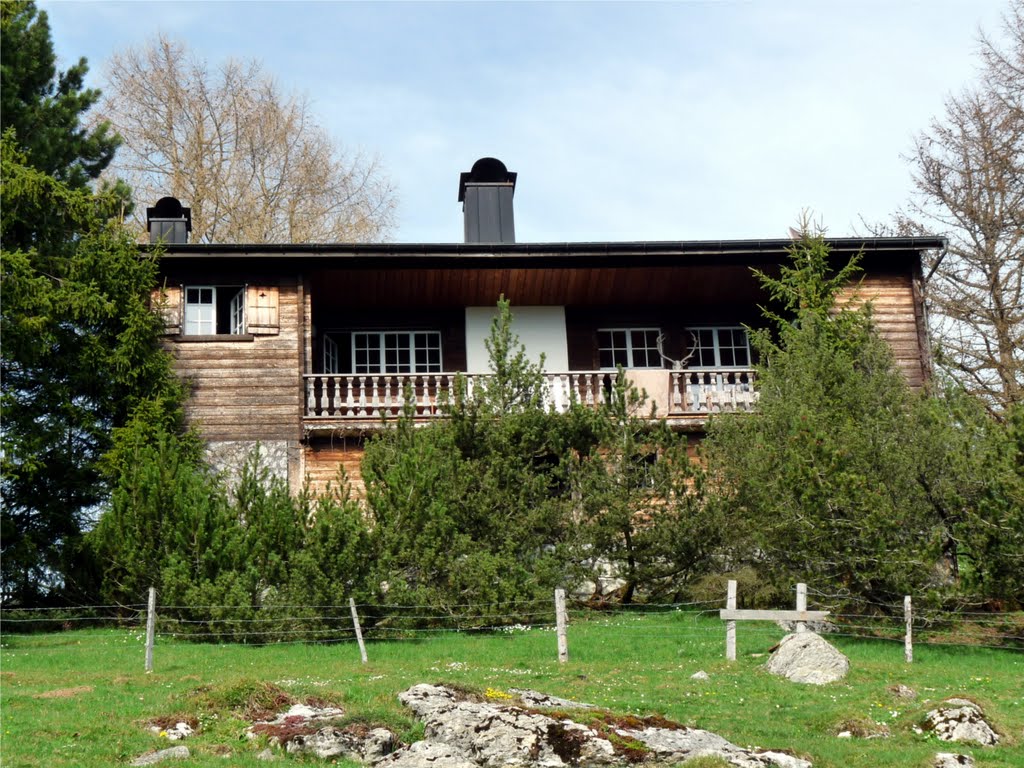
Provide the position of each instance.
(486, 196)
(169, 222)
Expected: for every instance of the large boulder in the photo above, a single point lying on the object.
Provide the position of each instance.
(805, 657)
(960, 720)
(464, 732)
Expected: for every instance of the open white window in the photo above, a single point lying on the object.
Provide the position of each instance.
(628, 347)
(200, 311)
(214, 310)
(332, 358)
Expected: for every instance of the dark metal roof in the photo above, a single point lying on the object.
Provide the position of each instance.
(638, 253)
(640, 247)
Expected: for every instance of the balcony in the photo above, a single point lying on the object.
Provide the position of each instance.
(364, 401)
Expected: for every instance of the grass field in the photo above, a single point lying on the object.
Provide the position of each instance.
(81, 698)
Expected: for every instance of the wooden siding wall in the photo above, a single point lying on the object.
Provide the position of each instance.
(323, 457)
(899, 317)
(246, 389)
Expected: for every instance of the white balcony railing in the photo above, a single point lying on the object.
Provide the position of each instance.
(711, 391)
(370, 397)
(374, 396)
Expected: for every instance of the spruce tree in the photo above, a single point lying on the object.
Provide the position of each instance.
(43, 106)
(80, 355)
(822, 482)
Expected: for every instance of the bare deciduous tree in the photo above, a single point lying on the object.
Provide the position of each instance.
(250, 161)
(968, 169)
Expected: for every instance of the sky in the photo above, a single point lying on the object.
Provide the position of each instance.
(690, 120)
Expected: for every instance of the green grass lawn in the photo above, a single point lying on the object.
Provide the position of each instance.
(81, 698)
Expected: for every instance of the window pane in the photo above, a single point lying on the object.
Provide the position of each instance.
(645, 348)
(331, 358)
(237, 311)
(720, 348)
(396, 351)
(200, 312)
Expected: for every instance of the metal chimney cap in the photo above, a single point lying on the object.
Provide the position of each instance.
(170, 208)
(486, 170)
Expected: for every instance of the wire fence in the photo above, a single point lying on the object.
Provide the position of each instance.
(259, 626)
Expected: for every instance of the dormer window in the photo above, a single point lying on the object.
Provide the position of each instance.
(212, 310)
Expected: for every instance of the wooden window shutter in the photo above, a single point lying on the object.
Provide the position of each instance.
(261, 306)
(166, 302)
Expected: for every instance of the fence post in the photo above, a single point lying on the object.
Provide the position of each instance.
(908, 639)
(801, 605)
(359, 631)
(150, 628)
(730, 626)
(560, 622)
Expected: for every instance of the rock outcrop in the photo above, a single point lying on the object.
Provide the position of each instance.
(960, 720)
(467, 733)
(517, 729)
(805, 657)
(354, 743)
(152, 758)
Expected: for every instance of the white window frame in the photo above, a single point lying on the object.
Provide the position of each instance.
(629, 348)
(201, 317)
(717, 346)
(237, 313)
(332, 356)
(409, 347)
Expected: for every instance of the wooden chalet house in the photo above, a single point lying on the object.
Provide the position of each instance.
(306, 349)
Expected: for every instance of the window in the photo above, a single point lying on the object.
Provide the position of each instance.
(387, 352)
(629, 347)
(332, 357)
(642, 470)
(214, 310)
(725, 347)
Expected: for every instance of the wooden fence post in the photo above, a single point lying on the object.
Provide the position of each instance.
(908, 639)
(560, 622)
(359, 631)
(150, 628)
(730, 626)
(801, 605)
